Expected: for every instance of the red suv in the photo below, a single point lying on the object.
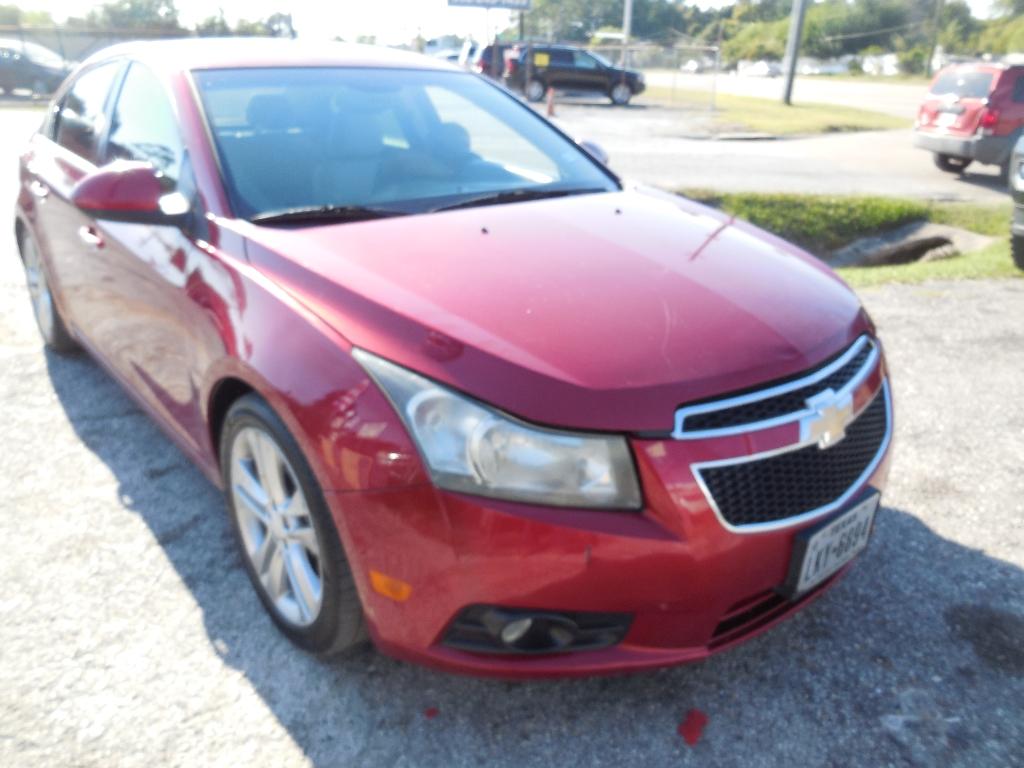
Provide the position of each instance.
(973, 112)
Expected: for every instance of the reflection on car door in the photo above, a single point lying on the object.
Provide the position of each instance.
(65, 234)
(165, 291)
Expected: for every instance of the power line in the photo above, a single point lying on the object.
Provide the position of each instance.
(852, 35)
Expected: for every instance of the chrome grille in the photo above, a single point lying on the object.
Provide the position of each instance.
(800, 482)
(779, 404)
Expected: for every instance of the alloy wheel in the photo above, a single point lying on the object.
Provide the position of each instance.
(38, 288)
(277, 530)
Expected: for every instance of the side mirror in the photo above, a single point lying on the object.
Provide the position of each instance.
(130, 192)
(595, 150)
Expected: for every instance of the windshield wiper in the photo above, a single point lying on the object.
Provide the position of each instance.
(516, 196)
(322, 213)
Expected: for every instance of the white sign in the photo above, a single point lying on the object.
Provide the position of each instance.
(515, 5)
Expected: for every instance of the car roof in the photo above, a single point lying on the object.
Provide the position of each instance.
(186, 54)
(981, 66)
(556, 46)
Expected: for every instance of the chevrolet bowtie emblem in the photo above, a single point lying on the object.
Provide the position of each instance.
(829, 417)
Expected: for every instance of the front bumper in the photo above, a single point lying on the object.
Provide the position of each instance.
(992, 150)
(692, 586)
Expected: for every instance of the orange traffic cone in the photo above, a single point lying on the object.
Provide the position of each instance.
(551, 102)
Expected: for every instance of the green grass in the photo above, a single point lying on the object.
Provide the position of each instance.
(775, 118)
(984, 219)
(817, 223)
(821, 224)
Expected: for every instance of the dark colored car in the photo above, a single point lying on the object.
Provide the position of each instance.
(566, 68)
(481, 59)
(973, 113)
(465, 391)
(30, 67)
(1016, 173)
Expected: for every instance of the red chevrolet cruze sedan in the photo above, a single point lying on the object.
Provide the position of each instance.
(466, 391)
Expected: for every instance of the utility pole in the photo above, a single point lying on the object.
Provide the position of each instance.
(796, 31)
(934, 42)
(627, 27)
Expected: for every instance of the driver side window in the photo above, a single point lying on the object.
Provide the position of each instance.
(143, 126)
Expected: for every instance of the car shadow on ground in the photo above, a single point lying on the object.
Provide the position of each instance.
(989, 178)
(599, 103)
(905, 660)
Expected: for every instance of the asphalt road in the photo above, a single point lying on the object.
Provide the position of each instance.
(660, 145)
(129, 634)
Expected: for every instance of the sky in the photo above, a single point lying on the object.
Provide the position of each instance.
(391, 21)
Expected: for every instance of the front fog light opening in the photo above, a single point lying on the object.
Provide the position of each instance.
(495, 630)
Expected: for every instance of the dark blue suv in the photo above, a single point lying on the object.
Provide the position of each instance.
(567, 68)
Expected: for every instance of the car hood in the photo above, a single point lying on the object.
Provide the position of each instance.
(603, 311)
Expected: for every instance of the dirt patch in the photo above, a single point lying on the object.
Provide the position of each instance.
(917, 241)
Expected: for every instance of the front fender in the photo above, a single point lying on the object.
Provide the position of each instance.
(346, 427)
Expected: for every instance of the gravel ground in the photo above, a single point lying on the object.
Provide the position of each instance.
(129, 634)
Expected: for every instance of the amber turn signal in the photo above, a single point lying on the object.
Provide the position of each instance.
(390, 587)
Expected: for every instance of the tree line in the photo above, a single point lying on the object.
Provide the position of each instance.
(747, 29)
(757, 29)
(151, 17)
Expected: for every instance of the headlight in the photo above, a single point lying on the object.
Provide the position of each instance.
(473, 448)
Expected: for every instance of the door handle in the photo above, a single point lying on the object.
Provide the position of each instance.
(38, 189)
(90, 237)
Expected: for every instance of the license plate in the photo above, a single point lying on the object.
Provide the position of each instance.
(820, 552)
(946, 119)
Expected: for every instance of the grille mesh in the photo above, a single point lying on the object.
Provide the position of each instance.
(793, 483)
(779, 405)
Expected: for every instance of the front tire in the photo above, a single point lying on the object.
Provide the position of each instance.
(1017, 249)
(51, 325)
(951, 164)
(621, 94)
(288, 542)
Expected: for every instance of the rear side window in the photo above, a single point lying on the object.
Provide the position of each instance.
(561, 58)
(81, 122)
(966, 85)
(1018, 90)
(143, 126)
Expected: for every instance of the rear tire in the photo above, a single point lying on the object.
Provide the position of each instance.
(51, 325)
(951, 164)
(1017, 249)
(287, 539)
(621, 94)
(535, 91)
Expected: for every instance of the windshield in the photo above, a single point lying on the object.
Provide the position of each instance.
(602, 59)
(394, 139)
(966, 85)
